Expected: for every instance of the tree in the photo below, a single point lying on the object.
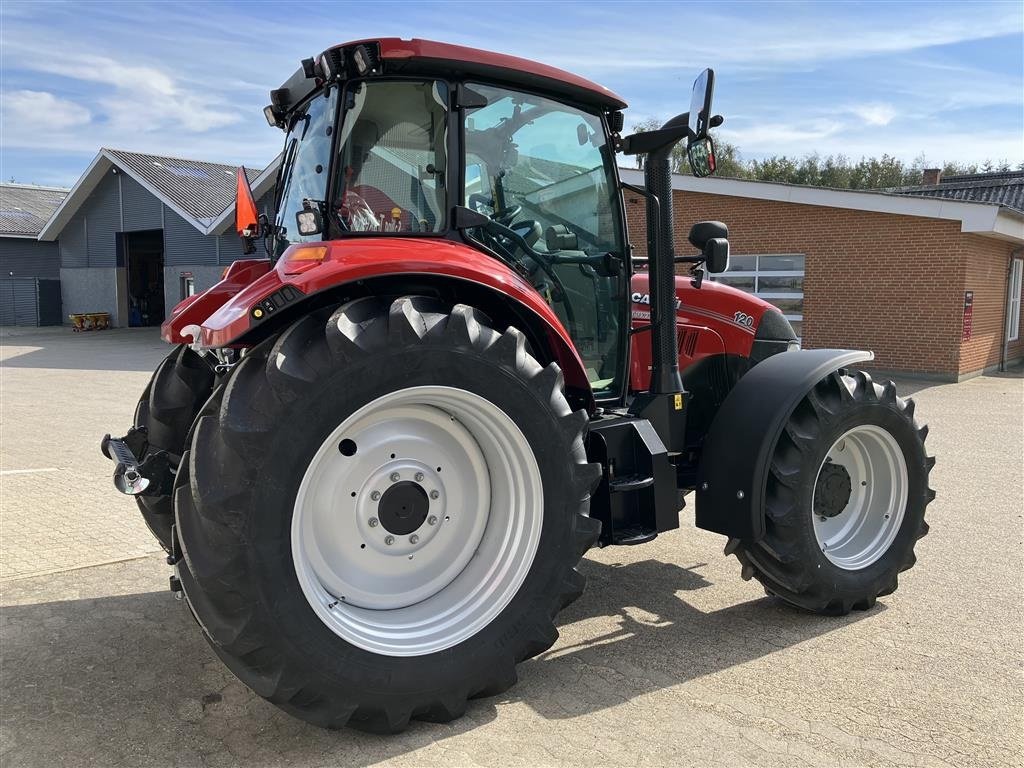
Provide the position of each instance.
(836, 171)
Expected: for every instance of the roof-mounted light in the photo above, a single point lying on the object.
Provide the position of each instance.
(365, 60)
(272, 115)
(330, 66)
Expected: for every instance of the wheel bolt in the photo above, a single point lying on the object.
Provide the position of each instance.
(375, 495)
(419, 477)
(389, 540)
(740, 494)
(414, 539)
(435, 494)
(432, 520)
(395, 477)
(372, 522)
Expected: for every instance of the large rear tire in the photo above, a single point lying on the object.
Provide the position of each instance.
(383, 515)
(177, 390)
(845, 500)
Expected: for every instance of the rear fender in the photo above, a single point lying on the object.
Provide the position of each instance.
(733, 472)
(361, 267)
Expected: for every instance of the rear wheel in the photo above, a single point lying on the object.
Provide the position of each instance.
(384, 514)
(180, 385)
(845, 500)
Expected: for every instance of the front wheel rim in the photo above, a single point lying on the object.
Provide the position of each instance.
(856, 534)
(417, 521)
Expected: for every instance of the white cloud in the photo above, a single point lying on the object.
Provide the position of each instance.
(874, 114)
(138, 97)
(34, 111)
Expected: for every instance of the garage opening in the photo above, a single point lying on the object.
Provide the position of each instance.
(144, 255)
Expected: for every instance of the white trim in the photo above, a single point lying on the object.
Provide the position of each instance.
(981, 218)
(1013, 300)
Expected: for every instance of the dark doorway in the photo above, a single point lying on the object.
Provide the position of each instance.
(144, 256)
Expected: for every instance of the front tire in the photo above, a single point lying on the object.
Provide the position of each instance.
(845, 499)
(384, 514)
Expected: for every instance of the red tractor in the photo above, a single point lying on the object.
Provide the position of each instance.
(376, 457)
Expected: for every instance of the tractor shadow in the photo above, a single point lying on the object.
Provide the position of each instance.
(634, 632)
(142, 687)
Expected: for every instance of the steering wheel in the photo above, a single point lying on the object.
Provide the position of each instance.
(505, 216)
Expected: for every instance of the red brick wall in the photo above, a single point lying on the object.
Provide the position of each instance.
(986, 262)
(892, 284)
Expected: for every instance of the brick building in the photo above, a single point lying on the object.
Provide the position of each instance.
(871, 270)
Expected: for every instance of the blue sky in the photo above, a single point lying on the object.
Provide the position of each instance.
(941, 78)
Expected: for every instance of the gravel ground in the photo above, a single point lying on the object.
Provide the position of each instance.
(669, 659)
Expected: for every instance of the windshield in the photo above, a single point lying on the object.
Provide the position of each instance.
(544, 170)
(392, 161)
(307, 155)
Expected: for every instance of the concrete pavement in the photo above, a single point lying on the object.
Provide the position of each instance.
(668, 659)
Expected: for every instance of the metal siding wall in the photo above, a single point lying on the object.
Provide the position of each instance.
(26, 308)
(141, 208)
(6, 302)
(74, 252)
(103, 212)
(28, 258)
(18, 302)
(184, 244)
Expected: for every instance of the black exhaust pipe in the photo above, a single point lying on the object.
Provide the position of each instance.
(661, 253)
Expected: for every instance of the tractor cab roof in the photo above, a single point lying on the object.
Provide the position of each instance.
(395, 56)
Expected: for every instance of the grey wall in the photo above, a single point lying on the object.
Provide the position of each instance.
(90, 289)
(28, 258)
(204, 276)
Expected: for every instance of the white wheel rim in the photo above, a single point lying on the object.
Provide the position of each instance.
(418, 592)
(867, 525)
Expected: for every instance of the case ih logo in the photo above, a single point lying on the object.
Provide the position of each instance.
(645, 298)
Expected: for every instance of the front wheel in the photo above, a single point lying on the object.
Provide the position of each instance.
(384, 514)
(845, 500)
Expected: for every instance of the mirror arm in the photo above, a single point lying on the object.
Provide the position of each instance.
(649, 142)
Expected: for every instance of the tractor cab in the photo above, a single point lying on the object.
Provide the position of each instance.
(492, 159)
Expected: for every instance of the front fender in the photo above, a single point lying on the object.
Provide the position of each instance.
(733, 472)
(296, 279)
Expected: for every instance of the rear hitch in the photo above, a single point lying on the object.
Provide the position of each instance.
(152, 477)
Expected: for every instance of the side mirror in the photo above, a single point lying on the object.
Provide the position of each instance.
(701, 154)
(716, 255)
(309, 220)
(712, 239)
(700, 105)
(703, 231)
(247, 218)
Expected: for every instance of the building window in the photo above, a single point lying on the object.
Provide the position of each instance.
(1013, 306)
(776, 278)
(188, 285)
